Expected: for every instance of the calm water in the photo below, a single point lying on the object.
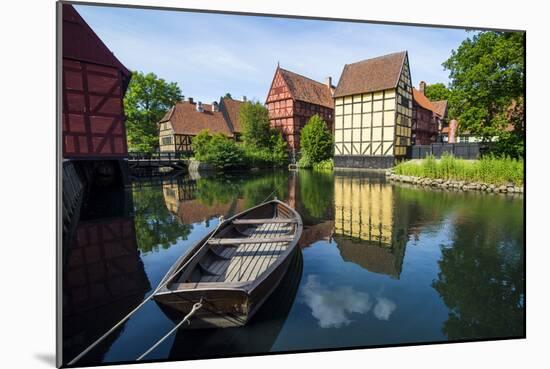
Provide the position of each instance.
(380, 264)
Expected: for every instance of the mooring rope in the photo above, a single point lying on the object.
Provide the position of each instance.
(196, 307)
(269, 196)
(161, 285)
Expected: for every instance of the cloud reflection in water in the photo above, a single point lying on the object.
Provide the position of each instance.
(331, 306)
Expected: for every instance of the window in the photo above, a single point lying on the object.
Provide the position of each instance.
(167, 140)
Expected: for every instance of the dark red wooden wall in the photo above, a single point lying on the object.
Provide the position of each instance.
(93, 86)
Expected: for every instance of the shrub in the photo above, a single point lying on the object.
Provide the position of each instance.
(218, 150)
(305, 162)
(200, 143)
(324, 165)
(316, 140)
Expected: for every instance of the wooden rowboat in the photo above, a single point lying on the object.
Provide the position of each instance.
(234, 268)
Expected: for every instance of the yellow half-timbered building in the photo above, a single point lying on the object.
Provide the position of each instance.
(373, 112)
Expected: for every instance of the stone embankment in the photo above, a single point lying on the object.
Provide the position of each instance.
(449, 184)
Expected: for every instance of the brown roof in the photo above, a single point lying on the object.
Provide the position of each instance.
(375, 258)
(194, 211)
(231, 108)
(440, 107)
(423, 101)
(307, 90)
(371, 75)
(186, 120)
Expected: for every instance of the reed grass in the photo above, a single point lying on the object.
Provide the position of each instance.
(489, 169)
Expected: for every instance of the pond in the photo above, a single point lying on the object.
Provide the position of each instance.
(379, 264)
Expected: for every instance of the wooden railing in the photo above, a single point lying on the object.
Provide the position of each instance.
(159, 156)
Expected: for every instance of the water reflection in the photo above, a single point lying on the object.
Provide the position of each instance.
(156, 227)
(384, 308)
(103, 277)
(332, 306)
(382, 264)
(370, 229)
(481, 274)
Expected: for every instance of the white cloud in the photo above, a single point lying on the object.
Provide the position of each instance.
(331, 307)
(209, 55)
(383, 308)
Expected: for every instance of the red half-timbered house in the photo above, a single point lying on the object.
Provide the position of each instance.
(93, 85)
(293, 99)
(428, 117)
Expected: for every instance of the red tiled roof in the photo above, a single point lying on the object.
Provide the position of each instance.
(371, 75)
(231, 109)
(186, 120)
(305, 89)
(422, 100)
(81, 43)
(440, 107)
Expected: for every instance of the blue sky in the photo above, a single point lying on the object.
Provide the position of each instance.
(211, 54)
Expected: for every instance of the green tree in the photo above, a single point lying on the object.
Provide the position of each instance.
(227, 95)
(254, 120)
(316, 140)
(279, 148)
(487, 75)
(147, 100)
(437, 91)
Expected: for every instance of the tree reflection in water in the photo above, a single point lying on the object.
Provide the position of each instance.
(481, 274)
(156, 227)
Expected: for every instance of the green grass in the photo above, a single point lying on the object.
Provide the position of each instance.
(324, 165)
(489, 169)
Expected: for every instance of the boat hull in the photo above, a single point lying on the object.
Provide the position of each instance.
(222, 307)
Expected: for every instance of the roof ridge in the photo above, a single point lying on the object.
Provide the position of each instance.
(301, 75)
(379, 57)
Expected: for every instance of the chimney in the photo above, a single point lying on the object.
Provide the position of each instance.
(215, 106)
(328, 81)
(244, 98)
(190, 99)
(422, 87)
(199, 107)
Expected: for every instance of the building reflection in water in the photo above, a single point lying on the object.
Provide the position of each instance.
(103, 276)
(369, 229)
(180, 198)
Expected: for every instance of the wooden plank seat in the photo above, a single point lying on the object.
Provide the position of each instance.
(241, 241)
(250, 256)
(265, 221)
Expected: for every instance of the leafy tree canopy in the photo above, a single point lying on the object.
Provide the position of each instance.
(437, 91)
(487, 82)
(316, 140)
(254, 120)
(147, 100)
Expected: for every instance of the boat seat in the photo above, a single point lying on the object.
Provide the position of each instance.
(264, 221)
(241, 241)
